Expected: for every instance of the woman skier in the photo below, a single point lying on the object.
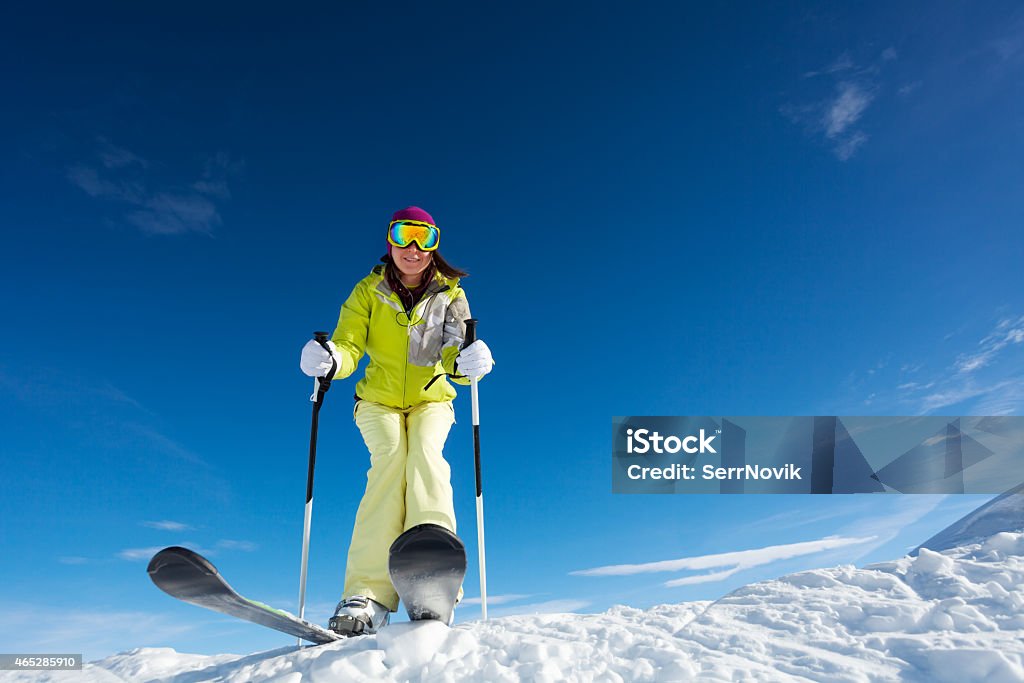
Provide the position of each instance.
(408, 315)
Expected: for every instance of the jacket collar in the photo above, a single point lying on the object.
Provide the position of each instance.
(440, 283)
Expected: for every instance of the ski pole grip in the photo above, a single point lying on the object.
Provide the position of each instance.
(470, 332)
(325, 382)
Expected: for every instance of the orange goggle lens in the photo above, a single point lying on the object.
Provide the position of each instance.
(403, 233)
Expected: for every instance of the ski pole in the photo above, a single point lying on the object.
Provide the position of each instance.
(470, 338)
(320, 387)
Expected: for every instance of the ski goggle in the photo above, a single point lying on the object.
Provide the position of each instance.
(403, 233)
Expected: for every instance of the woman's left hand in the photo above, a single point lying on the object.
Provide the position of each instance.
(475, 360)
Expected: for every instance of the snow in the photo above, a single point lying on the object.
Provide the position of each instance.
(955, 615)
(954, 611)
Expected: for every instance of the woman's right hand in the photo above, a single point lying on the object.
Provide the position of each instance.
(315, 360)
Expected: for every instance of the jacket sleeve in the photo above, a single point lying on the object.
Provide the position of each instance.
(454, 334)
(350, 335)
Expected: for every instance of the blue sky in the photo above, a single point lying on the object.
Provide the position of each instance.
(666, 210)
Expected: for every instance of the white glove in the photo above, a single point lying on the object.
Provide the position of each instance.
(475, 360)
(315, 360)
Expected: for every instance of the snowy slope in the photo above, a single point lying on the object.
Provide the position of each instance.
(951, 616)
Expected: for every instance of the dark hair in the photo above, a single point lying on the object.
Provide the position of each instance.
(437, 262)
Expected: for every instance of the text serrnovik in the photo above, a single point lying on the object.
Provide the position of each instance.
(709, 472)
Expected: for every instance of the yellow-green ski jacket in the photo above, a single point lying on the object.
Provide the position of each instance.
(406, 350)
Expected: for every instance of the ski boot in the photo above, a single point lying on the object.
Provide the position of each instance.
(359, 615)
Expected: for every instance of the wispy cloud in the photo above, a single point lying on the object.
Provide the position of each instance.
(160, 441)
(136, 554)
(97, 633)
(145, 553)
(112, 156)
(149, 201)
(549, 607)
(46, 386)
(791, 519)
(167, 525)
(95, 408)
(1007, 332)
(979, 373)
(706, 578)
(846, 147)
(1005, 399)
(957, 393)
(244, 546)
(497, 599)
(166, 213)
(836, 116)
(732, 562)
(842, 63)
(986, 378)
(880, 529)
(846, 108)
(908, 89)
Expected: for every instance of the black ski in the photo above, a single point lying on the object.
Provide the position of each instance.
(427, 564)
(188, 576)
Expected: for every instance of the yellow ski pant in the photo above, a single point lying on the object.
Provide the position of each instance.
(409, 483)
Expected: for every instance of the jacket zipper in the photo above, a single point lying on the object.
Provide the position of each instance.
(408, 339)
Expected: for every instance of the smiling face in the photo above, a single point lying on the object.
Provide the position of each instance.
(411, 262)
